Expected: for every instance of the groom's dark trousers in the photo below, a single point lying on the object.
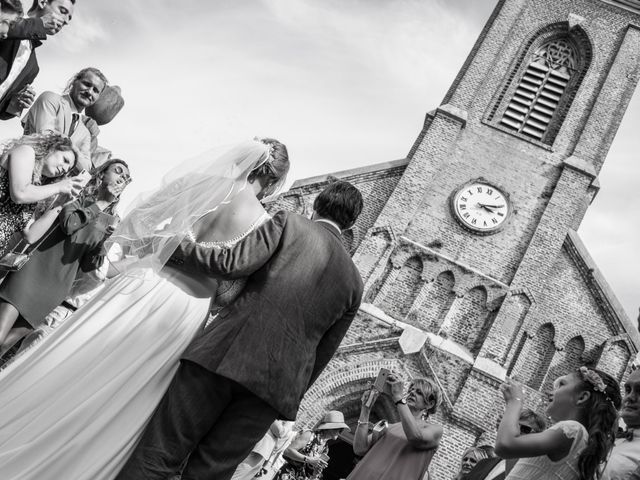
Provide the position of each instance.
(259, 356)
(211, 418)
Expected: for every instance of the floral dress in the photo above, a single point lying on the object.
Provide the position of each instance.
(293, 470)
(13, 216)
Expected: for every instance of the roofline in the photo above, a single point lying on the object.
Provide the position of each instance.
(350, 173)
(607, 292)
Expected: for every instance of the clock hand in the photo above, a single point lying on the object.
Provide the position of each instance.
(486, 207)
(490, 206)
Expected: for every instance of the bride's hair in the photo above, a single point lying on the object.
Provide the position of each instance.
(274, 169)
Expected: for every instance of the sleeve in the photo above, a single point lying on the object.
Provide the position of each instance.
(43, 114)
(330, 342)
(29, 28)
(75, 216)
(242, 260)
(93, 259)
(574, 430)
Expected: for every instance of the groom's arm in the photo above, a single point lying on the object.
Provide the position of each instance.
(247, 256)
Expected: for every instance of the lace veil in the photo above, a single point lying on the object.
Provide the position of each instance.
(159, 220)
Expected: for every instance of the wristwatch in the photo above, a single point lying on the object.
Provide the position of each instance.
(402, 401)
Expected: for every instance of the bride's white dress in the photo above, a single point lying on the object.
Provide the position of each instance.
(73, 407)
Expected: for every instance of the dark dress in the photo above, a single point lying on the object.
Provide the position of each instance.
(74, 243)
(299, 471)
(393, 458)
(13, 216)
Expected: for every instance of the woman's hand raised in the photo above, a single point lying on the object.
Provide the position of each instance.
(512, 391)
(72, 186)
(368, 398)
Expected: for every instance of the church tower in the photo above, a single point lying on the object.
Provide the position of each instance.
(472, 265)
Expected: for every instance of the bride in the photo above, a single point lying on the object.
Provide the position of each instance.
(75, 406)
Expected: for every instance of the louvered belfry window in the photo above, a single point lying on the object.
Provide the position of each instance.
(538, 95)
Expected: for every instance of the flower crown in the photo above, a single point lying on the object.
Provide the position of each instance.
(271, 146)
(592, 377)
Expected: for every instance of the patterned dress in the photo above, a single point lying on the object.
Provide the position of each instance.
(293, 470)
(13, 216)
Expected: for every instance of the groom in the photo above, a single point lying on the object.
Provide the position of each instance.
(262, 353)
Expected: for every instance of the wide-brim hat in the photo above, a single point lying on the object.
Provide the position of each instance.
(332, 420)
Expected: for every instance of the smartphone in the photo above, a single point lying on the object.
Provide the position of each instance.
(324, 457)
(381, 380)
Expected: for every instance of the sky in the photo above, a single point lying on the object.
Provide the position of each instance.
(344, 83)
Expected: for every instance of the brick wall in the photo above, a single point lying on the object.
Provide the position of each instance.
(527, 298)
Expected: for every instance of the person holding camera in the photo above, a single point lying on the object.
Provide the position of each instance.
(29, 168)
(403, 451)
(74, 243)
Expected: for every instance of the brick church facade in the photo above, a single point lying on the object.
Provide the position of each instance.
(468, 248)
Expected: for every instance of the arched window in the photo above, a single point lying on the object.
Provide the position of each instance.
(542, 84)
(540, 90)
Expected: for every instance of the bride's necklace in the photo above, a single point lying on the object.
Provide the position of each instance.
(232, 241)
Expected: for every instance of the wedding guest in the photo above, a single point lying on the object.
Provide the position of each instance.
(308, 454)
(10, 12)
(18, 62)
(276, 460)
(27, 167)
(470, 458)
(584, 406)
(74, 243)
(254, 464)
(496, 468)
(406, 448)
(64, 113)
(624, 462)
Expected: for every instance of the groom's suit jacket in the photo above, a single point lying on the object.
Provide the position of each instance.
(302, 293)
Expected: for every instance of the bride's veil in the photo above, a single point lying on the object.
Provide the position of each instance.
(159, 220)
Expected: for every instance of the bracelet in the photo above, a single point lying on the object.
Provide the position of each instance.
(362, 423)
(305, 459)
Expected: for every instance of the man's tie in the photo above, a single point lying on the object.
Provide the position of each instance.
(75, 118)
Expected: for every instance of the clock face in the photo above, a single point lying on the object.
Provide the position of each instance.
(481, 207)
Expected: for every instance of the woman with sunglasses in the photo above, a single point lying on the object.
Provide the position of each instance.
(74, 243)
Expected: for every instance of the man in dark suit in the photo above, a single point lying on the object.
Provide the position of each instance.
(261, 354)
(18, 62)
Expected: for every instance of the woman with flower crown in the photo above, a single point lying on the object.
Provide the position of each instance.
(75, 406)
(584, 405)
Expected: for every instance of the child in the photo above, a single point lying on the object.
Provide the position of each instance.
(584, 406)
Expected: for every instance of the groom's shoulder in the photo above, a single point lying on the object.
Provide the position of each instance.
(284, 217)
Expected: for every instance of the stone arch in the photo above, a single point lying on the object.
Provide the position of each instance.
(467, 319)
(399, 291)
(614, 359)
(543, 82)
(565, 361)
(535, 356)
(343, 387)
(437, 298)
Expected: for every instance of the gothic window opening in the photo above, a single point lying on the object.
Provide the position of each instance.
(539, 93)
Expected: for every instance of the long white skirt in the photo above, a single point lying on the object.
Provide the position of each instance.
(74, 407)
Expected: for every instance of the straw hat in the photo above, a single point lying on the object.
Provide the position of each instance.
(332, 420)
